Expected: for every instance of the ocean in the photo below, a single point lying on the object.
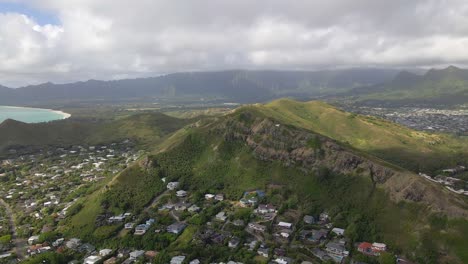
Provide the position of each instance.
(30, 115)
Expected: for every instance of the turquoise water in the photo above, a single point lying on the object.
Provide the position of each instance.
(29, 115)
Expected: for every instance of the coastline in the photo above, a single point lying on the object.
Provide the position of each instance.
(63, 114)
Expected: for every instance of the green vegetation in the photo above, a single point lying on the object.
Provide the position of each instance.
(447, 86)
(212, 158)
(414, 150)
(146, 129)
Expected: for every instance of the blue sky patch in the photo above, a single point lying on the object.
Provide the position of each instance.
(42, 17)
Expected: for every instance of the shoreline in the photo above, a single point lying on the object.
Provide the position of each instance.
(63, 114)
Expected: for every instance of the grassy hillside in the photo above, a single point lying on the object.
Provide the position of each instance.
(146, 129)
(261, 146)
(415, 150)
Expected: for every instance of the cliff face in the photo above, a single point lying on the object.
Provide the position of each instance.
(272, 141)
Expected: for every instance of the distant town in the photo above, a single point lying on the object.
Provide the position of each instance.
(425, 119)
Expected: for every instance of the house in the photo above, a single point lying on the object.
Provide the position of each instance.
(129, 225)
(194, 208)
(257, 227)
(251, 245)
(379, 247)
(92, 259)
(58, 242)
(318, 235)
(285, 225)
(265, 209)
(177, 260)
(33, 240)
(87, 248)
(221, 216)
(141, 229)
(249, 199)
(322, 255)
(264, 252)
(234, 242)
(366, 248)
(181, 206)
(172, 185)
(195, 261)
(209, 196)
(338, 231)
(285, 233)
(324, 217)
(284, 260)
(105, 252)
(176, 228)
(308, 219)
(219, 197)
(373, 249)
(137, 254)
(181, 193)
(336, 249)
(73, 243)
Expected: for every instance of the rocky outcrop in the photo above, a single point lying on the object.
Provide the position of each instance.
(272, 141)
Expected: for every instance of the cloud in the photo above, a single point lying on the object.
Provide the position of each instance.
(111, 39)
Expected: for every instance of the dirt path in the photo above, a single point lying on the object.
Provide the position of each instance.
(20, 244)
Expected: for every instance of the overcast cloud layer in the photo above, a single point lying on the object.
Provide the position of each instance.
(110, 39)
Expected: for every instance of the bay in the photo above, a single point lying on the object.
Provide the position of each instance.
(30, 115)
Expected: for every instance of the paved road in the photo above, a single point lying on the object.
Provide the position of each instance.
(156, 200)
(20, 244)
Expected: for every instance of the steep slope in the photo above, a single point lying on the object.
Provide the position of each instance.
(447, 86)
(414, 150)
(256, 147)
(234, 85)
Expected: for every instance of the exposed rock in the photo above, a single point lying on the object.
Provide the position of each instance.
(272, 142)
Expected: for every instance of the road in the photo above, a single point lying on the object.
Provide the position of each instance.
(20, 244)
(156, 200)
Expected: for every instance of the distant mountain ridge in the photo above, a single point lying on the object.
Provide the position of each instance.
(447, 86)
(232, 85)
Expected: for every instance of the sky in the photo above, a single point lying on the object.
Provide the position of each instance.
(72, 40)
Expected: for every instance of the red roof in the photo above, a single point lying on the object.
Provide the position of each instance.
(364, 246)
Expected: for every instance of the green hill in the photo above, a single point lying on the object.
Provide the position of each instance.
(146, 129)
(304, 149)
(414, 150)
(447, 86)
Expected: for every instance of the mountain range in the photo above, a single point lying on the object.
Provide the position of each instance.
(235, 85)
(368, 86)
(447, 86)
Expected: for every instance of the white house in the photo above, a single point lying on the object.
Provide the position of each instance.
(285, 225)
(105, 252)
(92, 259)
(221, 216)
(172, 185)
(181, 193)
(177, 260)
(33, 240)
(209, 196)
(338, 231)
(379, 246)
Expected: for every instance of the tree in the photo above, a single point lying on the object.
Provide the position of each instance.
(387, 258)
(4, 240)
